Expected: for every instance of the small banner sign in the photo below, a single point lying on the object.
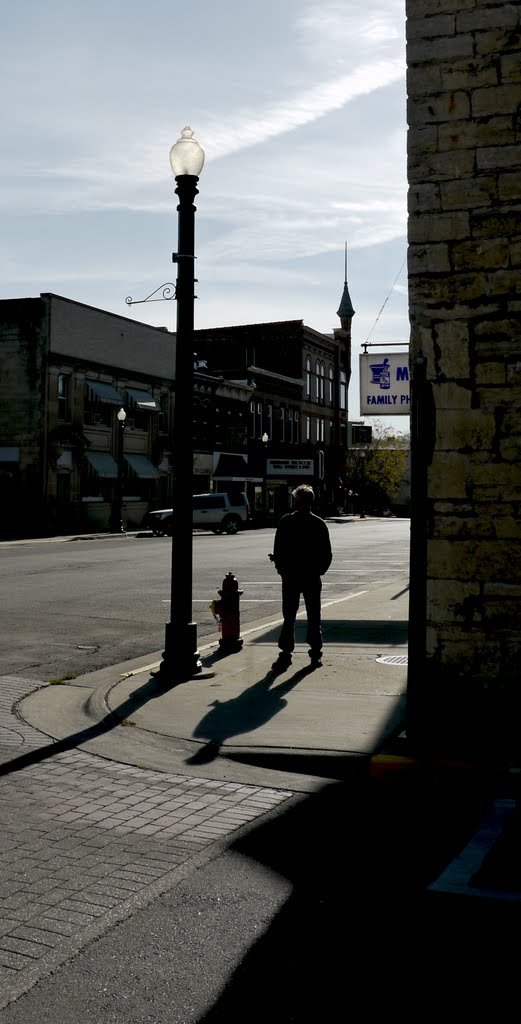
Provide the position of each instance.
(289, 467)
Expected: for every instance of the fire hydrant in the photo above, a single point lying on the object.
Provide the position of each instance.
(227, 613)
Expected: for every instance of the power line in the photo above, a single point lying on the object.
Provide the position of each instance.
(386, 301)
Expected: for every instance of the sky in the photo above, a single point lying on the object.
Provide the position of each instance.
(299, 106)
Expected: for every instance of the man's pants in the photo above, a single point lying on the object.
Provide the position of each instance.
(291, 591)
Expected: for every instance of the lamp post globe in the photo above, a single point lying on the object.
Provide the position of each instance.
(180, 660)
(186, 155)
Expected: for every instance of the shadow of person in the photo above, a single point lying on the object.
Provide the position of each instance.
(248, 711)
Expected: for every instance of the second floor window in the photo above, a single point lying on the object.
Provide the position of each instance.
(256, 419)
(296, 427)
(343, 389)
(164, 406)
(308, 377)
(330, 386)
(63, 397)
(269, 421)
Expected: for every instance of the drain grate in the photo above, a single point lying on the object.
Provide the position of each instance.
(393, 659)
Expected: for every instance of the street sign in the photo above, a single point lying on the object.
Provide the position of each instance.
(361, 434)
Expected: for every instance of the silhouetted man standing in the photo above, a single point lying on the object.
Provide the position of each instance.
(302, 554)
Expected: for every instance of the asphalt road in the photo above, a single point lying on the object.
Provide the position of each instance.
(72, 606)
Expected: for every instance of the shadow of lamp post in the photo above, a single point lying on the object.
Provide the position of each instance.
(180, 660)
(116, 522)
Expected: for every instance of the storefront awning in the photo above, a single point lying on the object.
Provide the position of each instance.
(142, 467)
(99, 391)
(231, 467)
(102, 464)
(8, 454)
(142, 400)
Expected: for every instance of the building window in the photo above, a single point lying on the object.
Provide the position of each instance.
(253, 420)
(137, 420)
(63, 397)
(164, 410)
(63, 489)
(308, 428)
(290, 426)
(322, 384)
(321, 429)
(317, 380)
(269, 421)
(343, 389)
(296, 429)
(308, 377)
(330, 386)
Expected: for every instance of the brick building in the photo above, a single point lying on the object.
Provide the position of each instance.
(269, 409)
(464, 155)
(66, 369)
(299, 405)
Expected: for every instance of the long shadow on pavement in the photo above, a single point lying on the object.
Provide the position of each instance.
(359, 935)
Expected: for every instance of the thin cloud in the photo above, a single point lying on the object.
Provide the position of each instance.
(301, 110)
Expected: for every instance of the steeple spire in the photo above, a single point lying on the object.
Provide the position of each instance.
(345, 310)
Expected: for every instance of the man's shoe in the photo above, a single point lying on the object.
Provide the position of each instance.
(283, 661)
(315, 658)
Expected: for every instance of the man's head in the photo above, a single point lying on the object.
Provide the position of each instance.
(303, 497)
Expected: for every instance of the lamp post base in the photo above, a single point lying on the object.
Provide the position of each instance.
(180, 660)
(117, 527)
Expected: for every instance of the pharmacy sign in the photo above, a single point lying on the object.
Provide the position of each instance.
(384, 384)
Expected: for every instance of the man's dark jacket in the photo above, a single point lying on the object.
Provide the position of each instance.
(302, 548)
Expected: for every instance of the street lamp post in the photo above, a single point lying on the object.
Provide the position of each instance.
(362, 484)
(265, 440)
(116, 522)
(181, 659)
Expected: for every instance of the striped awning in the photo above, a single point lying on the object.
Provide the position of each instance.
(102, 464)
(142, 467)
(142, 400)
(99, 391)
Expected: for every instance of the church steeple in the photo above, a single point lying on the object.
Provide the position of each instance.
(342, 334)
(345, 310)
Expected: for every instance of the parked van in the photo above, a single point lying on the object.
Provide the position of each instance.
(215, 511)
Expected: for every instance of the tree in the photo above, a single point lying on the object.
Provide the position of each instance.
(377, 471)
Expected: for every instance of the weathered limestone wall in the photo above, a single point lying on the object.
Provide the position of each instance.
(464, 159)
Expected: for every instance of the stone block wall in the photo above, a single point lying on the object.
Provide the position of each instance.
(464, 169)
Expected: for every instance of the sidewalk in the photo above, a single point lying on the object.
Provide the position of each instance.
(239, 719)
(129, 781)
(240, 722)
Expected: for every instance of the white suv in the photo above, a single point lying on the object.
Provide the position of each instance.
(216, 511)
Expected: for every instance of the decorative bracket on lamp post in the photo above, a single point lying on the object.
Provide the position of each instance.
(168, 291)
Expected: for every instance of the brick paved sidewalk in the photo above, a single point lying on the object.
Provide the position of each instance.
(83, 839)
